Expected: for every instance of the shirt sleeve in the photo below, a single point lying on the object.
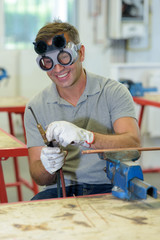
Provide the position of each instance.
(120, 102)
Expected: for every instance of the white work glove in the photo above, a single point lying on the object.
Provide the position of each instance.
(66, 133)
(52, 158)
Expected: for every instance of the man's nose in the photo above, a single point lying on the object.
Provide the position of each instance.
(58, 67)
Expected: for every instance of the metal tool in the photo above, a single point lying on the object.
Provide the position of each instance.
(137, 89)
(41, 130)
(126, 175)
(53, 143)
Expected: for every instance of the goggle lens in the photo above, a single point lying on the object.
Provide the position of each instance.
(64, 58)
(46, 63)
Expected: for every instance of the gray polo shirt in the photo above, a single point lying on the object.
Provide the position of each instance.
(102, 102)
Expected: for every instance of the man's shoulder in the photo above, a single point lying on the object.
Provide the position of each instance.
(40, 96)
(93, 76)
(104, 82)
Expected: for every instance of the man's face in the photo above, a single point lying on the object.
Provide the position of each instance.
(66, 76)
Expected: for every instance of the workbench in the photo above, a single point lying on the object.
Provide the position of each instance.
(82, 218)
(12, 105)
(147, 100)
(16, 105)
(11, 147)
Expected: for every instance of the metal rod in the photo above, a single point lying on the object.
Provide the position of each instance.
(33, 114)
(41, 130)
(121, 149)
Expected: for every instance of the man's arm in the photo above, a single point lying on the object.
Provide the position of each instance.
(37, 170)
(126, 135)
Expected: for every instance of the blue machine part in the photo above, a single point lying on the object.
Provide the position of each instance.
(127, 180)
(3, 74)
(137, 89)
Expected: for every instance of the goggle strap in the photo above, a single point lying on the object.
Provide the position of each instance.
(78, 46)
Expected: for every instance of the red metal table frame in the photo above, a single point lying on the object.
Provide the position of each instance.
(17, 109)
(18, 149)
(143, 102)
(13, 105)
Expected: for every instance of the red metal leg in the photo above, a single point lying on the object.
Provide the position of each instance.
(11, 123)
(15, 161)
(3, 194)
(35, 188)
(17, 175)
(141, 116)
(24, 132)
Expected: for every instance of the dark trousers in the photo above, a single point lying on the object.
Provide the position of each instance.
(77, 190)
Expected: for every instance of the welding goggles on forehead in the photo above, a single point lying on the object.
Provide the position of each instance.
(57, 53)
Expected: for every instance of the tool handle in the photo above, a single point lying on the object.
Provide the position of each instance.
(43, 134)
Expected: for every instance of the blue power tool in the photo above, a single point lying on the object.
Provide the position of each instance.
(3, 74)
(137, 89)
(127, 176)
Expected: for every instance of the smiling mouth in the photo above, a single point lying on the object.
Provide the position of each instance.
(62, 75)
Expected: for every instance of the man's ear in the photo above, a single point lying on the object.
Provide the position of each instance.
(82, 53)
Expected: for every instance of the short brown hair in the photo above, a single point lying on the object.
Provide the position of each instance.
(51, 29)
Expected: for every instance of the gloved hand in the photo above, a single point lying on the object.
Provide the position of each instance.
(66, 133)
(52, 158)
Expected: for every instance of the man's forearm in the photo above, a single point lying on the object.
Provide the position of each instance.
(115, 141)
(40, 175)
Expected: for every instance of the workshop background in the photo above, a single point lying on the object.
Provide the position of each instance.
(115, 48)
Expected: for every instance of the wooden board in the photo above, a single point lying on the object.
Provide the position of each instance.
(152, 97)
(98, 217)
(11, 146)
(7, 141)
(12, 101)
(148, 100)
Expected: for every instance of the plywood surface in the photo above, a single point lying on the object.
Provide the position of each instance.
(152, 97)
(12, 101)
(90, 218)
(6, 141)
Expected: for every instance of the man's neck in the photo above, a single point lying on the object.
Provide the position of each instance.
(74, 92)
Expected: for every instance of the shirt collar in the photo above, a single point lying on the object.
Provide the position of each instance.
(53, 95)
(92, 87)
